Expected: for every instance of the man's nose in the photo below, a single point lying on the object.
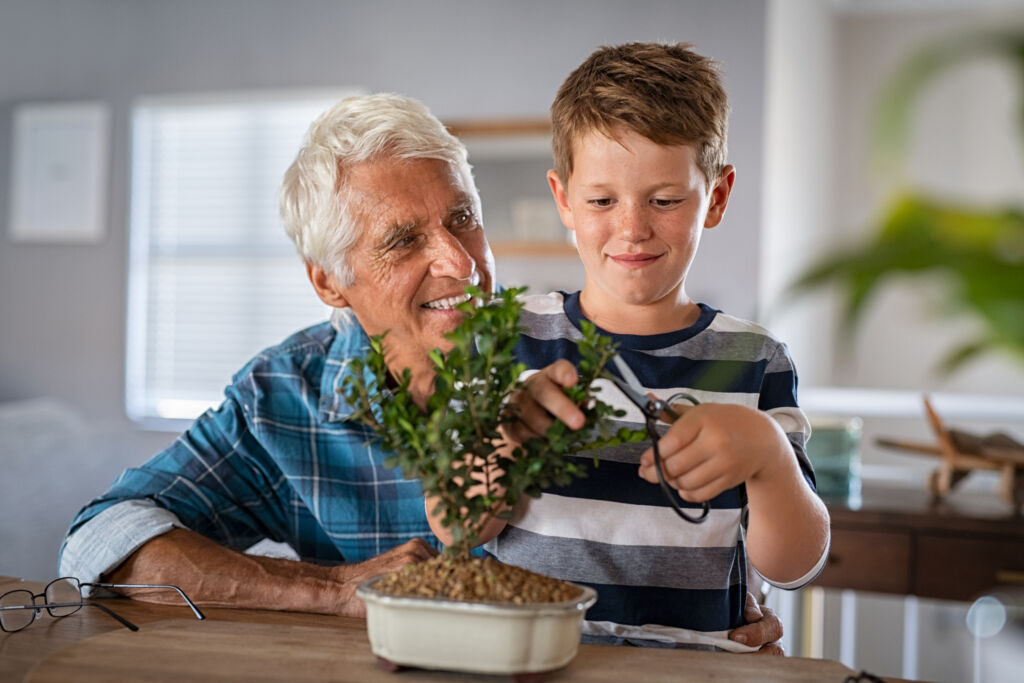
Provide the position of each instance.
(450, 258)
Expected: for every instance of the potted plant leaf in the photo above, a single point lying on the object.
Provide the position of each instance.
(459, 611)
(978, 249)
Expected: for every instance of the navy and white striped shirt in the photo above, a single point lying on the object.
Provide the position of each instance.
(658, 577)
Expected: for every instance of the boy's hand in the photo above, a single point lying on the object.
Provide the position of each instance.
(713, 447)
(543, 401)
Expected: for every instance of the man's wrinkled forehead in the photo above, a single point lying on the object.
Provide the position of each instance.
(397, 202)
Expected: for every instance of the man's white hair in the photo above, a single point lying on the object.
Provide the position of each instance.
(314, 200)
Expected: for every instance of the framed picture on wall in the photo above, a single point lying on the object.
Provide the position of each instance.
(59, 172)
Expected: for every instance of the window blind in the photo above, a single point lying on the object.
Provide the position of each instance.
(213, 278)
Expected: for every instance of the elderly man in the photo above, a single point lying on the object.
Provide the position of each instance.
(382, 207)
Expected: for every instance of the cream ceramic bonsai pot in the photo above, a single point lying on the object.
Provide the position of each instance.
(479, 637)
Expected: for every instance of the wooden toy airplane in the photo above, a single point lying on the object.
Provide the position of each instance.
(962, 453)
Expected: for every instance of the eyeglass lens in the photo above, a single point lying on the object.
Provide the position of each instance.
(16, 619)
(63, 592)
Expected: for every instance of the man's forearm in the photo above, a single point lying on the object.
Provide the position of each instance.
(215, 576)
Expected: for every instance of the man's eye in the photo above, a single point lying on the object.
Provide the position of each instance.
(462, 219)
(403, 242)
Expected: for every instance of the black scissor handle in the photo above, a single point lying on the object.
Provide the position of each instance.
(669, 494)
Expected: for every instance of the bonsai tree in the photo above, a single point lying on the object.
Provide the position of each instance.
(453, 444)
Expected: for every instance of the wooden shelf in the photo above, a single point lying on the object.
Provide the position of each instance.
(551, 249)
(499, 128)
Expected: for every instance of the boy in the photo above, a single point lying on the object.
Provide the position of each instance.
(639, 136)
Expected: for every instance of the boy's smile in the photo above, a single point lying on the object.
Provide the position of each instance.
(638, 209)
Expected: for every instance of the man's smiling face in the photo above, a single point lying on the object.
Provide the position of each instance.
(421, 245)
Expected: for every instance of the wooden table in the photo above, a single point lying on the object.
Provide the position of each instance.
(898, 540)
(257, 645)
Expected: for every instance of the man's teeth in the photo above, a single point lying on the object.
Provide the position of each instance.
(450, 302)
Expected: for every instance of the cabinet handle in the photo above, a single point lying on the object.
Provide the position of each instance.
(1010, 576)
(834, 560)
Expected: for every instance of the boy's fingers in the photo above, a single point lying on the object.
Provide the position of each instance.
(680, 409)
(561, 372)
(679, 436)
(533, 420)
(545, 389)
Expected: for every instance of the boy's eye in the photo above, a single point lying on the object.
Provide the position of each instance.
(600, 202)
(665, 203)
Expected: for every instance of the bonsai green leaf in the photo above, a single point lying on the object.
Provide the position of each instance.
(451, 443)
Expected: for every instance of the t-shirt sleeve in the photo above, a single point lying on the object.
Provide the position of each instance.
(779, 399)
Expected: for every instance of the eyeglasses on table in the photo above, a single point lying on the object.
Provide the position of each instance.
(63, 597)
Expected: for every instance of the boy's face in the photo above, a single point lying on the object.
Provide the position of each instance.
(638, 209)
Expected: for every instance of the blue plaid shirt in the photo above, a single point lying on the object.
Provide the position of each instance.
(280, 460)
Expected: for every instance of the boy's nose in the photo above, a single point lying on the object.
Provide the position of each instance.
(451, 259)
(633, 225)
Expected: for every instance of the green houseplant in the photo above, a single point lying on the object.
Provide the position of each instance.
(977, 250)
(452, 445)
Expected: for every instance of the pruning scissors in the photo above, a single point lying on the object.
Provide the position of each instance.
(652, 409)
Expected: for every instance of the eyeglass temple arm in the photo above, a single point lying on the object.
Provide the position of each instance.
(195, 610)
(84, 603)
(112, 613)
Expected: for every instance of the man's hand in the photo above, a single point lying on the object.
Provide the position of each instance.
(543, 401)
(714, 447)
(214, 576)
(762, 630)
(349, 576)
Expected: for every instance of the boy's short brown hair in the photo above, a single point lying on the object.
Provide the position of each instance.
(667, 93)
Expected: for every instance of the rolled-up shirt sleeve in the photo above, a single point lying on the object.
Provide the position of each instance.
(101, 544)
(216, 479)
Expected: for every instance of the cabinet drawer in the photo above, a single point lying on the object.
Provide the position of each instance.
(868, 561)
(957, 568)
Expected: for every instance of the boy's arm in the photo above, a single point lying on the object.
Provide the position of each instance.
(539, 405)
(714, 447)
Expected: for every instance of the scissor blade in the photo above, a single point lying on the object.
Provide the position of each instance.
(642, 401)
(627, 373)
(632, 388)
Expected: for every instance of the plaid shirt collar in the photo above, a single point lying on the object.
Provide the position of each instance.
(349, 342)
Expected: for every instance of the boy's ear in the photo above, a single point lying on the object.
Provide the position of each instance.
(718, 198)
(325, 287)
(561, 199)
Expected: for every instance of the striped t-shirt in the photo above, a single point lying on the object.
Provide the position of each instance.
(659, 578)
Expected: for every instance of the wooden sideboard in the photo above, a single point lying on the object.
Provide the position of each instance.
(899, 540)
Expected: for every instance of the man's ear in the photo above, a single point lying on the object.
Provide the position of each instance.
(325, 286)
(561, 196)
(719, 197)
